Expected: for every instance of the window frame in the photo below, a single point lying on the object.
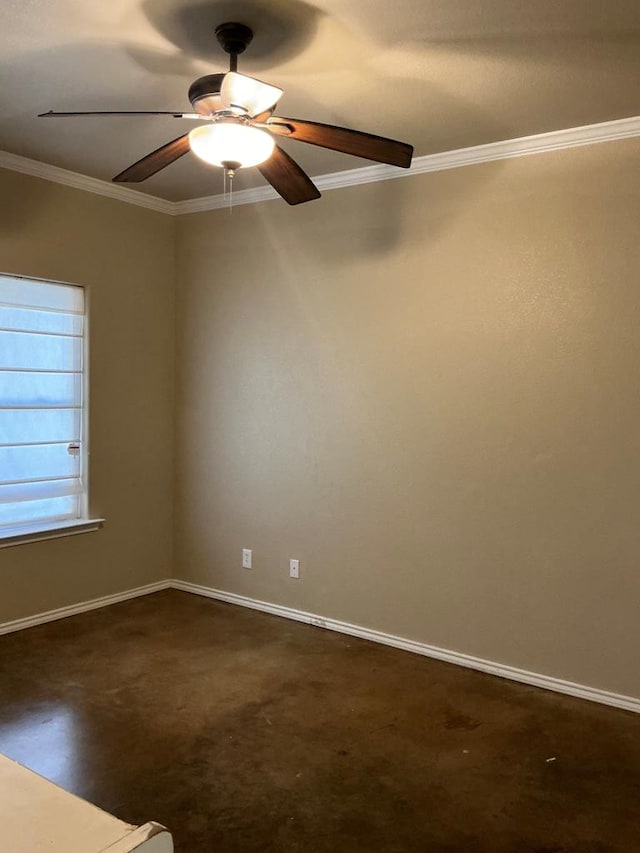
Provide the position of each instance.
(53, 529)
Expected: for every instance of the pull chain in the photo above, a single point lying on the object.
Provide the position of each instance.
(229, 169)
(230, 173)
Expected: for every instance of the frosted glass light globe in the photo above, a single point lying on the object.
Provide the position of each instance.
(221, 144)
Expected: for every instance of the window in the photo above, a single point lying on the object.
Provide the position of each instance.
(42, 415)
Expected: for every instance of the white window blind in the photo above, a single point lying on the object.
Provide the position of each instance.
(42, 477)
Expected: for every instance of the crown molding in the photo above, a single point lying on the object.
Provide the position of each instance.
(216, 202)
(17, 163)
(590, 134)
(539, 143)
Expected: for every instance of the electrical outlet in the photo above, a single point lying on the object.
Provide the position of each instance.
(294, 568)
(246, 558)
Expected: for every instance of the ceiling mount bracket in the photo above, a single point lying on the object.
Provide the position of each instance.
(234, 39)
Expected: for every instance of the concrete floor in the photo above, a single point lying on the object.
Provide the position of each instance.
(245, 732)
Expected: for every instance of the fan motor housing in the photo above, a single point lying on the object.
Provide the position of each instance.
(204, 94)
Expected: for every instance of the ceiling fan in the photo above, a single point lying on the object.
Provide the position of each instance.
(240, 125)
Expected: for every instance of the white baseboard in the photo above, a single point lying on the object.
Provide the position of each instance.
(546, 682)
(81, 607)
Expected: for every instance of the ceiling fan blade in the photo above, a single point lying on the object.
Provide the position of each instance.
(355, 142)
(152, 163)
(176, 114)
(287, 178)
(247, 93)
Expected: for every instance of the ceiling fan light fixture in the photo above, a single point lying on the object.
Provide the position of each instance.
(248, 94)
(220, 144)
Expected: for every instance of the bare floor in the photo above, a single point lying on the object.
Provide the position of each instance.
(245, 732)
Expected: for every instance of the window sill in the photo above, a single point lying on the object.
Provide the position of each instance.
(52, 530)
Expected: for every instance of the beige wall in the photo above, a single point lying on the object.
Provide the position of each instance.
(427, 390)
(125, 256)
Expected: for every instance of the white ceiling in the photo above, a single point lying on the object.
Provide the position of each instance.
(440, 74)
